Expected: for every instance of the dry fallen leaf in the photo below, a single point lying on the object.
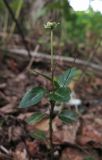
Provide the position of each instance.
(20, 155)
(9, 108)
(15, 133)
(43, 125)
(12, 64)
(61, 132)
(90, 134)
(67, 133)
(91, 130)
(33, 147)
(74, 154)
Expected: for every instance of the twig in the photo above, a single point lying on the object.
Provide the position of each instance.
(32, 58)
(5, 154)
(4, 149)
(17, 14)
(67, 60)
(18, 26)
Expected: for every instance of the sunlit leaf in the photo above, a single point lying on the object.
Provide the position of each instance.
(36, 117)
(68, 116)
(32, 97)
(38, 134)
(62, 94)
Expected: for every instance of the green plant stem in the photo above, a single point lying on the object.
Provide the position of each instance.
(51, 129)
(52, 103)
(52, 61)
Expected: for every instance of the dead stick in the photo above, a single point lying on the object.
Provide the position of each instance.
(69, 60)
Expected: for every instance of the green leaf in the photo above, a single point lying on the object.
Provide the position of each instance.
(36, 117)
(32, 97)
(67, 77)
(62, 94)
(56, 84)
(68, 116)
(38, 134)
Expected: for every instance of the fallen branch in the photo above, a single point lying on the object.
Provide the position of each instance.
(66, 60)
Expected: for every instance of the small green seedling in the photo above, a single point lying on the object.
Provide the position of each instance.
(60, 93)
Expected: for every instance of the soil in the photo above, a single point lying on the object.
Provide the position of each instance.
(81, 140)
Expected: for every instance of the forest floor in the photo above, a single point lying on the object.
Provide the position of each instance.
(81, 140)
